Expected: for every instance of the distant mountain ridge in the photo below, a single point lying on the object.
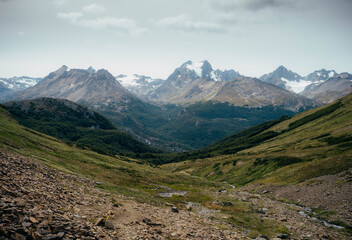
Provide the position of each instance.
(79, 85)
(198, 82)
(321, 85)
(139, 85)
(19, 83)
(331, 89)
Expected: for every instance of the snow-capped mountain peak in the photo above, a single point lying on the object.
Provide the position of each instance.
(194, 66)
(139, 84)
(203, 69)
(19, 83)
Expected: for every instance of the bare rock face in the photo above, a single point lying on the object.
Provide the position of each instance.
(140, 85)
(251, 92)
(79, 85)
(328, 91)
(192, 82)
(279, 76)
(323, 85)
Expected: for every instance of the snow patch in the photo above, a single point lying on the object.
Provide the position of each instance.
(215, 77)
(296, 86)
(127, 80)
(331, 74)
(196, 67)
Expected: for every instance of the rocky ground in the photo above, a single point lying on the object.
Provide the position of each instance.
(331, 194)
(37, 202)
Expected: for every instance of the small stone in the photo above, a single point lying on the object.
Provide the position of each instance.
(60, 234)
(26, 224)
(264, 237)
(100, 222)
(226, 204)
(116, 205)
(283, 236)
(33, 220)
(43, 224)
(109, 224)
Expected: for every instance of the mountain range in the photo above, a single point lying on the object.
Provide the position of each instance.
(195, 106)
(194, 124)
(8, 86)
(321, 85)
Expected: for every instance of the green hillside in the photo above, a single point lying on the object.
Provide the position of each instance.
(179, 128)
(285, 151)
(77, 125)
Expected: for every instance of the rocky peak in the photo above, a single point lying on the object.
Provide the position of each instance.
(103, 74)
(283, 72)
(91, 69)
(206, 69)
(200, 69)
(321, 75)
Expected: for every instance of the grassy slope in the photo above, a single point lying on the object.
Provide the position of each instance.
(125, 175)
(72, 123)
(311, 144)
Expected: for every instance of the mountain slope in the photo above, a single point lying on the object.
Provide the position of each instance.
(100, 91)
(321, 137)
(76, 124)
(192, 82)
(140, 85)
(79, 85)
(251, 92)
(293, 82)
(198, 82)
(328, 91)
(281, 76)
(306, 160)
(20, 83)
(5, 92)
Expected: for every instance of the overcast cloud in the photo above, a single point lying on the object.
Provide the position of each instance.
(153, 37)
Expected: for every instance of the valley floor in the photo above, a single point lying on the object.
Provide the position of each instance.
(44, 203)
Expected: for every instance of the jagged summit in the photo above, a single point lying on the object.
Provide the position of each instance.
(202, 69)
(321, 75)
(79, 85)
(91, 69)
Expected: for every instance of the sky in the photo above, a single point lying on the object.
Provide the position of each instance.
(153, 37)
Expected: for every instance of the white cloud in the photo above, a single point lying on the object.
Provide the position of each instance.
(185, 23)
(71, 16)
(93, 8)
(122, 25)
